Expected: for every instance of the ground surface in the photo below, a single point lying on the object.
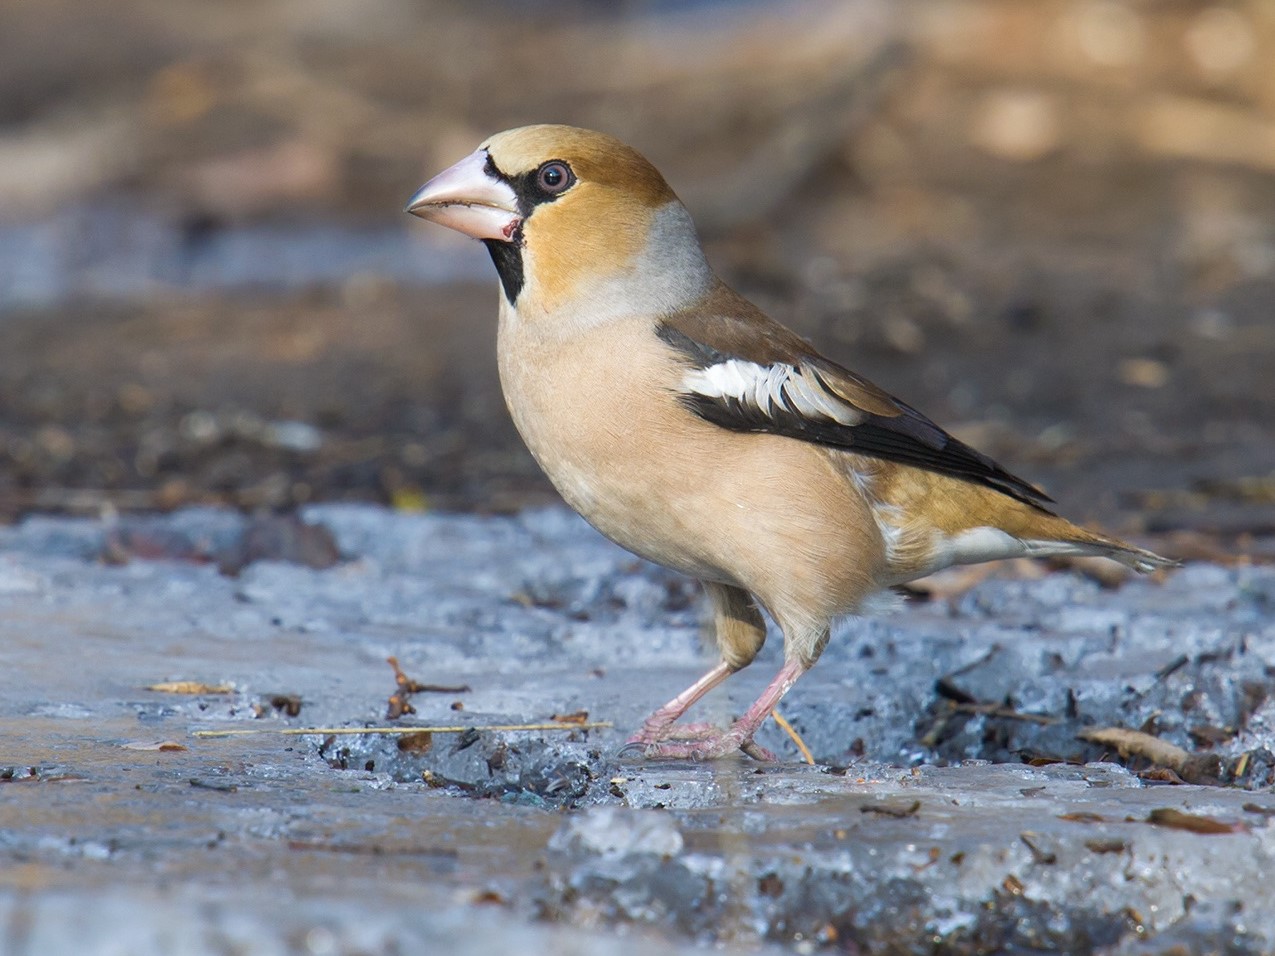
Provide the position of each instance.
(331, 843)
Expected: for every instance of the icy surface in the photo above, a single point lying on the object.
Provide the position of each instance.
(925, 825)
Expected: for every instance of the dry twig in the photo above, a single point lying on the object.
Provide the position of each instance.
(391, 731)
(1134, 743)
(406, 687)
(1004, 713)
(796, 737)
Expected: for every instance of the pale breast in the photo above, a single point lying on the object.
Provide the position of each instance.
(597, 411)
(601, 415)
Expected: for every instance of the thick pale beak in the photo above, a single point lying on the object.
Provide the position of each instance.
(466, 198)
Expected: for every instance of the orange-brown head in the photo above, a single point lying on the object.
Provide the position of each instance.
(570, 215)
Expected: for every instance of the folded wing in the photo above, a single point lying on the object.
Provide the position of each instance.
(749, 374)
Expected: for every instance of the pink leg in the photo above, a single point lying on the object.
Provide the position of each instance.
(740, 735)
(659, 724)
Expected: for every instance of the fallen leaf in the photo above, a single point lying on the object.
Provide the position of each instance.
(1193, 823)
(1044, 857)
(1082, 816)
(892, 811)
(166, 745)
(290, 704)
(1109, 845)
(418, 743)
(190, 687)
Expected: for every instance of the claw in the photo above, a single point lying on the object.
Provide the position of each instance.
(758, 752)
(632, 748)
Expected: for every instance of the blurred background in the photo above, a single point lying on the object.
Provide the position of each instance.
(1048, 224)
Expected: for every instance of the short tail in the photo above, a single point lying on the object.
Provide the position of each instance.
(1022, 529)
(1082, 543)
(1140, 559)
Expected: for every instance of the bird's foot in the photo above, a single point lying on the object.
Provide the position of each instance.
(696, 731)
(654, 732)
(713, 747)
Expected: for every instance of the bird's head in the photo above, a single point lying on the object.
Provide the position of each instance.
(573, 219)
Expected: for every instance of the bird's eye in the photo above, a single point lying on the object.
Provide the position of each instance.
(554, 177)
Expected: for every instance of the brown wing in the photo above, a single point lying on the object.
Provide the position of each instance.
(748, 373)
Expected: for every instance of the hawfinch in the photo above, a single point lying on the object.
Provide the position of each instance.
(700, 434)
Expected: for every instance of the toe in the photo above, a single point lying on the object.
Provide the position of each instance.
(758, 752)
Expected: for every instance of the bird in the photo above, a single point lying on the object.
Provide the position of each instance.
(695, 431)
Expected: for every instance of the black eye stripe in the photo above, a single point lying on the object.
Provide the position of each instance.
(527, 186)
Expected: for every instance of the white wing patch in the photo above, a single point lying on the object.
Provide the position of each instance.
(771, 389)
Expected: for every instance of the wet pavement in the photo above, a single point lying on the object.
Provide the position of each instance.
(922, 829)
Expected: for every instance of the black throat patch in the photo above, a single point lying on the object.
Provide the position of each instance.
(507, 257)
